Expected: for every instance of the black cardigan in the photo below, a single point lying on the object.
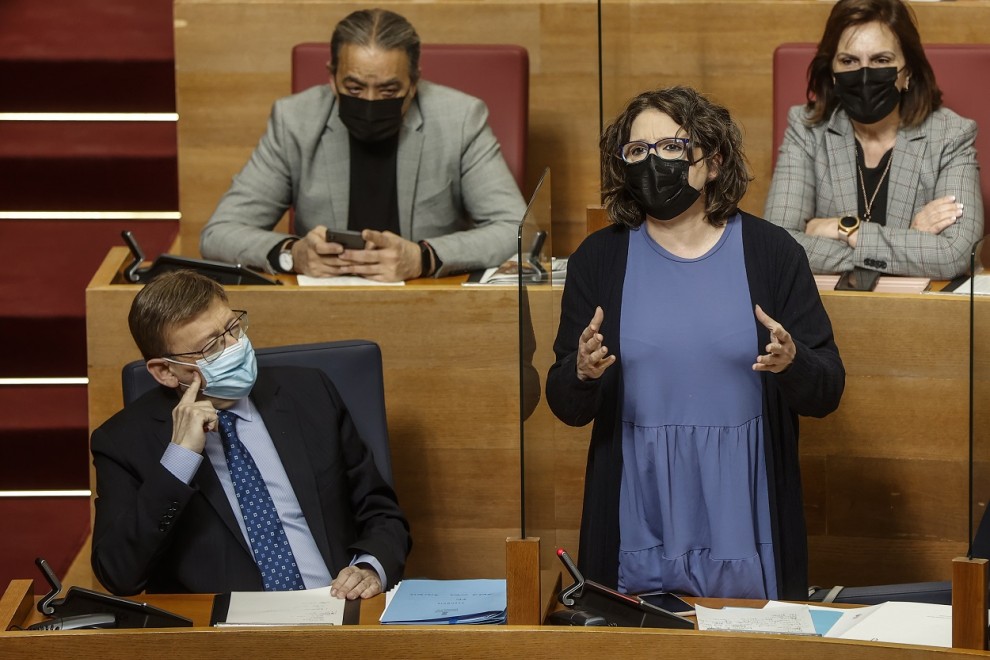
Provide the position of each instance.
(780, 281)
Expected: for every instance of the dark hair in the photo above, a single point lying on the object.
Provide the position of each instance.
(380, 28)
(168, 300)
(922, 96)
(709, 127)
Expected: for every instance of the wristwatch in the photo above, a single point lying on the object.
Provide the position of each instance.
(427, 257)
(848, 225)
(285, 262)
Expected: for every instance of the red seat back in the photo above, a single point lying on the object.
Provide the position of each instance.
(495, 73)
(958, 68)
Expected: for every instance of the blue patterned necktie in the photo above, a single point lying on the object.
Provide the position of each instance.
(272, 552)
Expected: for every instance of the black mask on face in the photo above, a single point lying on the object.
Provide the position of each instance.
(371, 121)
(661, 186)
(868, 94)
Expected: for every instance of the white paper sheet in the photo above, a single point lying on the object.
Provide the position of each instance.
(847, 617)
(905, 623)
(980, 284)
(785, 619)
(285, 608)
(342, 280)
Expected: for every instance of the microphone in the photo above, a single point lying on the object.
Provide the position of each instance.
(77, 622)
(569, 564)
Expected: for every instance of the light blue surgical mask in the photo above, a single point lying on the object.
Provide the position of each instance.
(232, 374)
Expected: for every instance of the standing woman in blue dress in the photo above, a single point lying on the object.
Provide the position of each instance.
(692, 334)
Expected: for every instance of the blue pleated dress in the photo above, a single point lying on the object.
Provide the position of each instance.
(694, 513)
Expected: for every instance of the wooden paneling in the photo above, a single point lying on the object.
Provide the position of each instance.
(969, 603)
(232, 62)
(371, 639)
(858, 561)
(884, 476)
(896, 498)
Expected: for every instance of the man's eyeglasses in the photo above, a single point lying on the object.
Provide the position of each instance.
(235, 330)
(672, 148)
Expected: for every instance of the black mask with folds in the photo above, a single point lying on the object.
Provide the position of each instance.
(661, 187)
(371, 121)
(868, 94)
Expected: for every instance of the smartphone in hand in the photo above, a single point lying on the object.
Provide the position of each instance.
(351, 240)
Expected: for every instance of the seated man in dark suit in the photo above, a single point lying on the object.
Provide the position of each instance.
(234, 478)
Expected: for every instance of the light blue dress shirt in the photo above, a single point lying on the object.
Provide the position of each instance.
(183, 463)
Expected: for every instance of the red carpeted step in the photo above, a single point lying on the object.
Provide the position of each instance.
(44, 437)
(45, 266)
(64, 408)
(86, 55)
(88, 166)
(85, 86)
(35, 283)
(54, 528)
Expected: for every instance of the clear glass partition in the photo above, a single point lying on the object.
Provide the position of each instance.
(537, 328)
(979, 394)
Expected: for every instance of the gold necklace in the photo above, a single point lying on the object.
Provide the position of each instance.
(868, 201)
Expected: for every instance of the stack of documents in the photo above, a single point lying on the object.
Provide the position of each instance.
(902, 623)
(978, 285)
(308, 607)
(443, 602)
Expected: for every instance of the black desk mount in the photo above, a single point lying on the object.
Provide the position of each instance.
(616, 608)
(221, 272)
(79, 602)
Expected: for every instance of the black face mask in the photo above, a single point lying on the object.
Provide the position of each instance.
(868, 94)
(371, 121)
(661, 186)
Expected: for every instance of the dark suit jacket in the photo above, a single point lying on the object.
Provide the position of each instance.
(155, 533)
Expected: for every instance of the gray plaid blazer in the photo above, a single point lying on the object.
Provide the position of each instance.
(815, 177)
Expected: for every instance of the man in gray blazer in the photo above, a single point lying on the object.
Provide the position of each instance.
(411, 165)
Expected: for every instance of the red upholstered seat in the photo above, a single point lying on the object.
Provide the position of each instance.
(496, 74)
(959, 70)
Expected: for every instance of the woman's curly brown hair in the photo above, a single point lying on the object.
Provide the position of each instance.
(709, 127)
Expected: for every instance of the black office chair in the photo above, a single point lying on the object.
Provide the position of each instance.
(354, 367)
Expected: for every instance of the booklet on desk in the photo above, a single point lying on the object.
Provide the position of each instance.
(444, 602)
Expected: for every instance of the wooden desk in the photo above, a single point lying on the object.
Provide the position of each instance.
(884, 476)
(371, 640)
